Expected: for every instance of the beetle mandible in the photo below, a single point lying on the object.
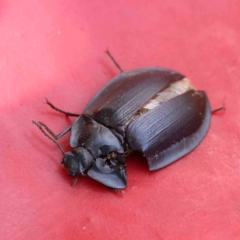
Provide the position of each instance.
(154, 110)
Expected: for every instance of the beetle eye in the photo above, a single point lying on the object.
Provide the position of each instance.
(71, 164)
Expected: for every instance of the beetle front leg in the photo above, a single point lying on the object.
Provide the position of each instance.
(61, 111)
(74, 181)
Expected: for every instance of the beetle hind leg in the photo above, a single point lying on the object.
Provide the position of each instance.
(61, 111)
(219, 109)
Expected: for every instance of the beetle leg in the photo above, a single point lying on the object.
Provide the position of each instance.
(114, 61)
(116, 190)
(56, 137)
(219, 109)
(74, 181)
(61, 111)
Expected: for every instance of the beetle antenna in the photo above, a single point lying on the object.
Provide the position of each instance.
(56, 137)
(114, 61)
(42, 130)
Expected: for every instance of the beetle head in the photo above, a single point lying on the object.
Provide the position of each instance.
(77, 161)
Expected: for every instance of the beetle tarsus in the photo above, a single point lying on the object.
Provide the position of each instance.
(114, 61)
(61, 111)
(74, 181)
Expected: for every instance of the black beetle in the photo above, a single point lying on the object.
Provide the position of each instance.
(152, 110)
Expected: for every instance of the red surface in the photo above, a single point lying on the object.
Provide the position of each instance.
(55, 49)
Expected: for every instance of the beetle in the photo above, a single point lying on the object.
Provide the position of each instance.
(152, 110)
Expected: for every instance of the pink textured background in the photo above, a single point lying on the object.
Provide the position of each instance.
(55, 49)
